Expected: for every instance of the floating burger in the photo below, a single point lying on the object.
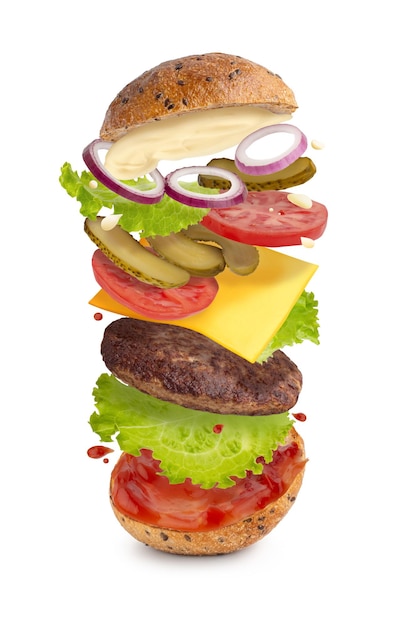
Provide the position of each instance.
(198, 392)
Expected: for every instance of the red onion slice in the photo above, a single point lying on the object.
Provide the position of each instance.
(234, 195)
(96, 167)
(258, 167)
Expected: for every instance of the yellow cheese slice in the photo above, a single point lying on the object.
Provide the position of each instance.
(248, 310)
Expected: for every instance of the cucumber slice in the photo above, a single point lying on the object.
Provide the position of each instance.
(240, 258)
(132, 257)
(199, 259)
(295, 174)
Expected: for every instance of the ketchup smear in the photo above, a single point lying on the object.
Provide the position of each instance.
(97, 452)
(141, 493)
(301, 417)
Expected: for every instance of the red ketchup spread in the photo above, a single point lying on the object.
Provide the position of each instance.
(98, 452)
(139, 492)
(301, 417)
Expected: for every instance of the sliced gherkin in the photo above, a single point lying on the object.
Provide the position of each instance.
(295, 174)
(197, 258)
(241, 258)
(132, 257)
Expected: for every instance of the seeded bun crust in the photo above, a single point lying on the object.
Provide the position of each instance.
(195, 83)
(223, 540)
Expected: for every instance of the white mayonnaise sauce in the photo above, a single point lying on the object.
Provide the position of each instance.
(194, 134)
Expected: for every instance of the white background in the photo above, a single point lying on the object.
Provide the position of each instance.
(346, 552)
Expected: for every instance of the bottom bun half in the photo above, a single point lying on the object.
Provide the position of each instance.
(225, 539)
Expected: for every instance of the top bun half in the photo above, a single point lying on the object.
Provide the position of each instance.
(195, 83)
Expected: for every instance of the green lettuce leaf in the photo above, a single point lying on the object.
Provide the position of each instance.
(183, 439)
(162, 218)
(300, 325)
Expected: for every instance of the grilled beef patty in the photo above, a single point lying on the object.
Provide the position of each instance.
(182, 366)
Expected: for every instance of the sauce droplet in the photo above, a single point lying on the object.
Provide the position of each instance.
(97, 452)
(217, 429)
(307, 242)
(301, 200)
(110, 221)
(301, 417)
(317, 145)
(98, 316)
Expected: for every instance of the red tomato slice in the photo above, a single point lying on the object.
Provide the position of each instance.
(153, 302)
(140, 491)
(253, 222)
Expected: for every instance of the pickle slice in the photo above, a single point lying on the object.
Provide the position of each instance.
(197, 258)
(295, 174)
(132, 257)
(241, 258)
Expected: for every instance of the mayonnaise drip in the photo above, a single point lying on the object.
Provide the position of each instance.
(194, 134)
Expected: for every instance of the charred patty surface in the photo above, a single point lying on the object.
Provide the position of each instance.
(179, 365)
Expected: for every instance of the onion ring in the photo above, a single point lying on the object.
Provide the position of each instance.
(232, 196)
(258, 167)
(96, 167)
